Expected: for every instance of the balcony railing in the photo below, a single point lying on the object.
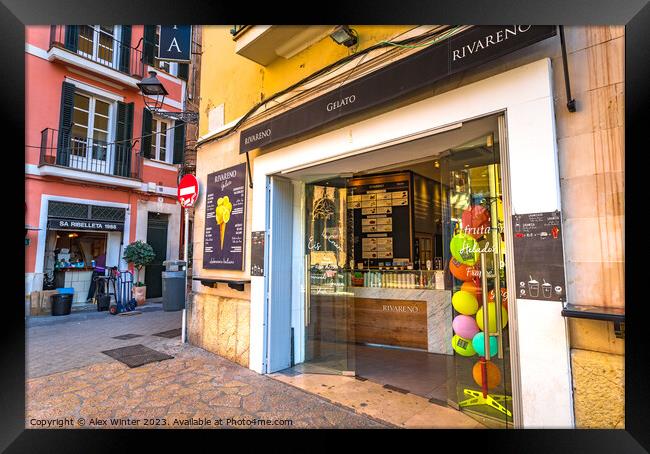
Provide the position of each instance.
(237, 29)
(95, 44)
(63, 149)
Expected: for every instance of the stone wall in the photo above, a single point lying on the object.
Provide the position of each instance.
(218, 321)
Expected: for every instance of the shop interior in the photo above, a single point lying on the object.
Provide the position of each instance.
(400, 245)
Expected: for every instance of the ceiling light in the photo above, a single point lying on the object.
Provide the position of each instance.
(344, 35)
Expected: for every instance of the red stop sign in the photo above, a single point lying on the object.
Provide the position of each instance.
(188, 190)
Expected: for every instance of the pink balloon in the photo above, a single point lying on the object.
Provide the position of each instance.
(465, 326)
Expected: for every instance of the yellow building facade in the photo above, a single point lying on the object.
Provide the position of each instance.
(245, 66)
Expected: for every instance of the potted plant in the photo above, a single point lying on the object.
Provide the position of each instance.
(140, 254)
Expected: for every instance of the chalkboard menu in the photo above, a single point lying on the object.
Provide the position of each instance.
(257, 253)
(380, 217)
(225, 211)
(539, 258)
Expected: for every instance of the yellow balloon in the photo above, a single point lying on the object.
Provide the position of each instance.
(462, 346)
(464, 302)
(493, 317)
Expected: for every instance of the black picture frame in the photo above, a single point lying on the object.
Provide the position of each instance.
(635, 14)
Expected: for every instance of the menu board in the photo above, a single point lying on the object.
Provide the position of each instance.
(380, 216)
(257, 253)
(539, 257)
(225, 211)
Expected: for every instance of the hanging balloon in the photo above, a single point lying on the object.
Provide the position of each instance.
(504, 296)
(465, 326)
(475, 221)
(493, 374)
(473, 288)
(493, 318)
(464, 303)
(464, 248)
(462, 346)
(462, 272)
(478, 342)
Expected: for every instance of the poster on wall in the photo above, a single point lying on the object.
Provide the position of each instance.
(225, 211)
(539, 257)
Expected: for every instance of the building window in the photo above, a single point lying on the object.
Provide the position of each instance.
(161, 140)
(98, 42)
(167, 66)
(90, 133)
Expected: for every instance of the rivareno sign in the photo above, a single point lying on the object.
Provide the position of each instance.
(466, 50)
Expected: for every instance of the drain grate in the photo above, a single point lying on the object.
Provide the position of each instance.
(127, 336)
(136, 355)
(169, 334)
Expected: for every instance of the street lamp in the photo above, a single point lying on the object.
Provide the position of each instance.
(152, 88)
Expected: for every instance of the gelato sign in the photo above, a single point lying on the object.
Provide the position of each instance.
(225, 211)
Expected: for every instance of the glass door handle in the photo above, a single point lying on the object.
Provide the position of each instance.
(486, 317)
(497, 302)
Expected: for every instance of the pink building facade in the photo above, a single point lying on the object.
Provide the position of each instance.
(100, 169)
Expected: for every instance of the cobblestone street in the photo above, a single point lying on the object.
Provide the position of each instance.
(69, 379)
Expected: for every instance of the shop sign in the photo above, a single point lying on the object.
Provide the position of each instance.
(225, 212)
(539, 257)
(175, 43)
(76, 224)
(461, 52)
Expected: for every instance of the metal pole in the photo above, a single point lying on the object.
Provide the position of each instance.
(185, 257)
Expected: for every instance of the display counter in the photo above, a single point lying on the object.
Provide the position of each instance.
(398, 317)
(77, 278)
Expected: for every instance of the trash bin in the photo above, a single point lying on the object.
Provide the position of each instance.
(62, 302)
(173, 285)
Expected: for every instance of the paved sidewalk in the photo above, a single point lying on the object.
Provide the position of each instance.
(74, 343)
(196, 389)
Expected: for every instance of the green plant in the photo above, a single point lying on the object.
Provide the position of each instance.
(140, 254)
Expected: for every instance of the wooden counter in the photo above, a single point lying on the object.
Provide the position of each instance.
(410, 318)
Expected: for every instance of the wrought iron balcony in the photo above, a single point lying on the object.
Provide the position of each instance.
(97, 45)
(63, 149)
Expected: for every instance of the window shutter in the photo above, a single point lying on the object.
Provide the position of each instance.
(124, 135)
(183, 70)
(71, 37)
(179, 141)
(149, 44)
(65, 124)
(146, 133)
(125, 49)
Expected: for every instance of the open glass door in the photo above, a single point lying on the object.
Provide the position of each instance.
(329, 303)
(474, 245)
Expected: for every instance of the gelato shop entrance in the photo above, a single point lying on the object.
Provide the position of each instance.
(404, 269)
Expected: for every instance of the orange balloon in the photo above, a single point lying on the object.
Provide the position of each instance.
(493, 374)
(461, 271)
(473, 288)
(504, 296)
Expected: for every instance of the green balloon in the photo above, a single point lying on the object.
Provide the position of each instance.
(461, 246)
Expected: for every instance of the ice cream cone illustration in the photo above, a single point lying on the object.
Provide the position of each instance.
(222, 215)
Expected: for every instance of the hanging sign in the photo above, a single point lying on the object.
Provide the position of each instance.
(539, 257)
(188, 190)
(175, 43)
(225, 211)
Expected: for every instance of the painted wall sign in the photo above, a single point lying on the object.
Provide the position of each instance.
(539, 257)
(466, 50)
(175, 43)
(76, 224)
(225, 213)
(257, 253)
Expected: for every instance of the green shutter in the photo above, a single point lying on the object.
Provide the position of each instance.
(179, 141)
(149, 44)
(65, 124)
(71, 37)
(125, 49)
(183, 70)
(124, 135)
(146, 133)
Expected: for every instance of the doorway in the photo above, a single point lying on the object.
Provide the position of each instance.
(403, 249)
(157, 225)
